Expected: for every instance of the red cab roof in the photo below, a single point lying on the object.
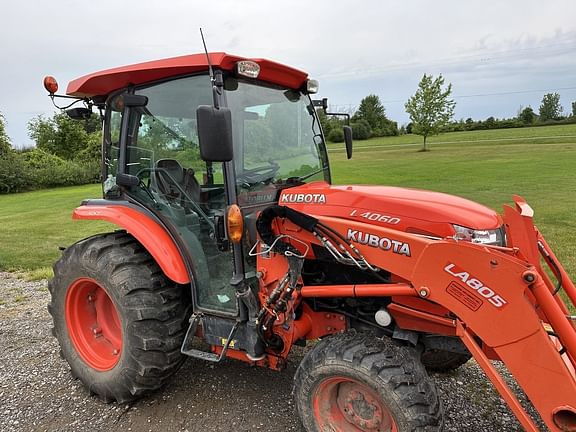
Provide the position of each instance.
(106, 81)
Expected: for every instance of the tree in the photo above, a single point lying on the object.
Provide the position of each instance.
(550, 108)
(430, 109)
(59, 135)
(490, 122)
(67, 138)
(527, 115)
(574, 109)
(5, 146)
(372, 112)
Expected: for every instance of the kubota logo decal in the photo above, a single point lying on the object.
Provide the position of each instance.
(308, 198)
(476, 284)
(384, 243)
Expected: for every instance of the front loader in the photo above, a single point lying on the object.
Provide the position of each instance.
(216, 173)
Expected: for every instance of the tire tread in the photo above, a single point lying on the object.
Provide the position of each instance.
(154, 307)
(389, 365)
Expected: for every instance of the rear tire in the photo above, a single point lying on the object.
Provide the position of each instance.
(356, 382)
(119, 320)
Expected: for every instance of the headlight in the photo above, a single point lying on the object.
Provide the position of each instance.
(248, 68)
(312, 86)
(491, 237)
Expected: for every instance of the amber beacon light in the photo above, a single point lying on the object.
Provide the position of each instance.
(50, 84)
(235, 224)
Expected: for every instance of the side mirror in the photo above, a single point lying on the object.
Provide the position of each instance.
(133, 100)
(79, 113)
(215, 133)
(123, 179)
(348, 141)
(321, 103)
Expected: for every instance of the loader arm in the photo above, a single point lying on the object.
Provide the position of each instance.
(501, 301)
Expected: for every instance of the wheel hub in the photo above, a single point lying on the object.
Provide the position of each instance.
(93, 324)
(347, 405)
(359, 408)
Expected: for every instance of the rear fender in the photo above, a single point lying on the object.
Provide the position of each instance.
(147, 231)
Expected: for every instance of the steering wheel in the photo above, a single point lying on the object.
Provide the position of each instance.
(261, 174)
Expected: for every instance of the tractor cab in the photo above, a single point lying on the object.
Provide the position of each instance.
(153, 159)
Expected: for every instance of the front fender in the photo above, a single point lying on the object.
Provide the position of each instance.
(147, 231)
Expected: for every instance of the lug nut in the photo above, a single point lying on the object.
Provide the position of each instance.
(115, 352)
(97, 331)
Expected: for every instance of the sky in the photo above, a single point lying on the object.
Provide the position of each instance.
(498, 55)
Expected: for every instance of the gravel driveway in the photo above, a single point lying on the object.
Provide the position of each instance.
(38, 393)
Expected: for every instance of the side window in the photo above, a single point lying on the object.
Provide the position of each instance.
(162, 137)
(112, 136)
(165, 136)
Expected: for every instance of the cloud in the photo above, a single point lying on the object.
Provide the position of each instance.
(373, 46)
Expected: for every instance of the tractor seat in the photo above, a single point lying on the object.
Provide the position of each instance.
(170, 174)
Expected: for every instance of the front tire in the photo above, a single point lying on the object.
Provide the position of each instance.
(443, 361)
(356, 382)
(119, 320)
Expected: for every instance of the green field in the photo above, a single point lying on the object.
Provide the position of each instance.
(34, 224)
(485, 166)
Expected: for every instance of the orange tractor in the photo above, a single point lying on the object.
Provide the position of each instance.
(216, 172)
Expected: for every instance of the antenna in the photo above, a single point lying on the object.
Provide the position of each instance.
(215, 90)
(210, 71)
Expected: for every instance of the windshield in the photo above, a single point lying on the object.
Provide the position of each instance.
(276, 133)
(277, 138)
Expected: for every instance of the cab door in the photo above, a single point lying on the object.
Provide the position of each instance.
(160, 147)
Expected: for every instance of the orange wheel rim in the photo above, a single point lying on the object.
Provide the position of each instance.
(93, 324)
(348, 405)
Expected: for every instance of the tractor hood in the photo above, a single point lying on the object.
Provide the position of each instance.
(410, 210)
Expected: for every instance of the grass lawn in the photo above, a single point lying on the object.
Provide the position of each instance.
(34, 224)
(537, 163)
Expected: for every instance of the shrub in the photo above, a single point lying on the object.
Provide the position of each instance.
(390, 128)
(361, 130)
(50, 171)
(37, 169)
(336, 135)
(67, 173)
(14, 174)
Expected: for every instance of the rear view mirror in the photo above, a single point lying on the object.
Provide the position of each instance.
(134, 100)
(123, 179)
(215, 133)
(79, 113)
(348, 140)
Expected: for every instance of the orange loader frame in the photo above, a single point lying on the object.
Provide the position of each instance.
(499, 301)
